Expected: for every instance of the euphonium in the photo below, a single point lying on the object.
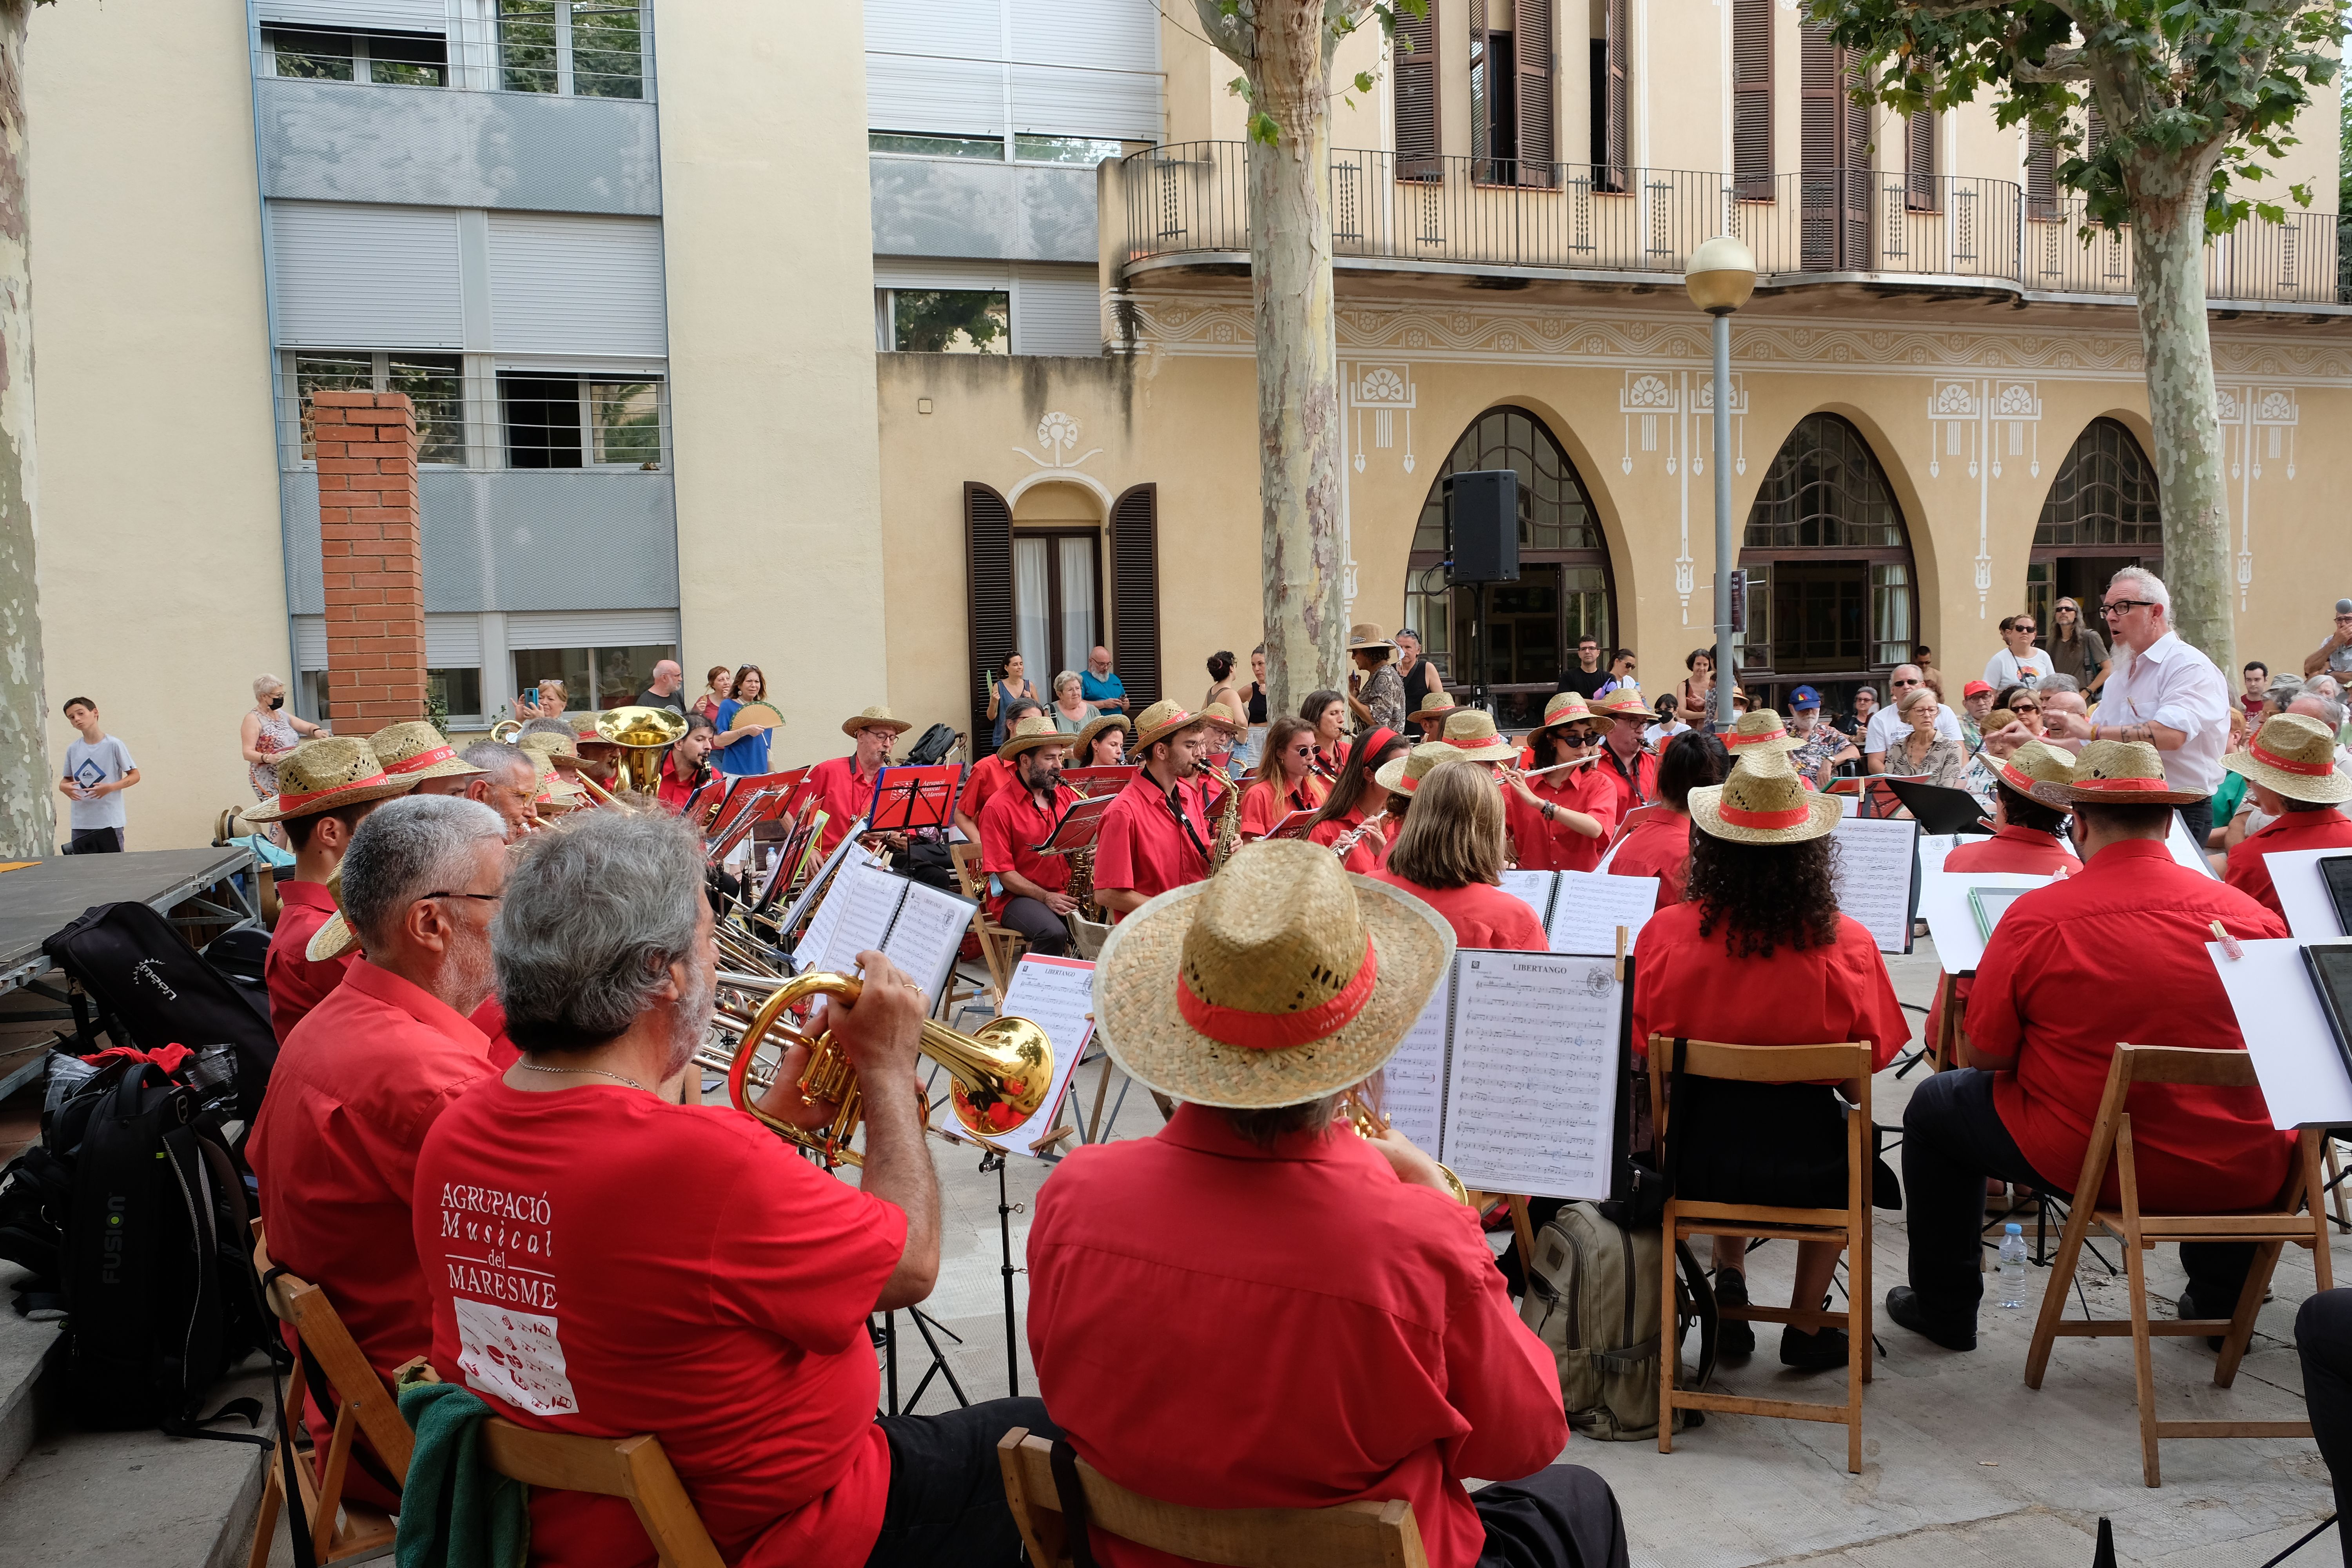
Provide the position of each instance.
(644, 736)
(1001, 1074)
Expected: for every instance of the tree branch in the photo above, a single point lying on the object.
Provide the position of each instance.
(2057, 66)
(1233, 32)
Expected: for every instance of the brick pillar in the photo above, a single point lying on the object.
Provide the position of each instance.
(373, 545)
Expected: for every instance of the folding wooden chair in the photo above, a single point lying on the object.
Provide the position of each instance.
(1350, 1535)
(999, 946)
(632, 1467)
(1949, 1038)
(341, 1526)
(2269, 1230)
(1849, 1226)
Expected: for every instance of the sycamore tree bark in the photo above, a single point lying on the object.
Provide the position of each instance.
(28, 816)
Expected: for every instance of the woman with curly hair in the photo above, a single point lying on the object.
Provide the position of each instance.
(1758, 954)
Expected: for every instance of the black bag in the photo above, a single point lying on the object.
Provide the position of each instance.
(933, 746)
(142, 972)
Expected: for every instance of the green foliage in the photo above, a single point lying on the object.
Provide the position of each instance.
(2191, 86)
(1341, 18)
(951, 321)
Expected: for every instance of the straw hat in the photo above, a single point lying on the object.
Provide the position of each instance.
(1281, 979)
(2041, 771)
(1471, 732)
(336, 937)
(416, 748)
(2294, 755)
(1565, 708)
(1085, 737)
(1764, 802)
(1434, 701)
(327, 774)
(1757, 731)
(546, 747)
(1625, 702)
(1365, 635)
(1163, 719)
(866, 718)
(1030, 733)
(2123, 773)
(1402, 775)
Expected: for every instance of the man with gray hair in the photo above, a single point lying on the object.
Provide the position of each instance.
(2334, 654)
(364, 1075)
(602, 1261)
(506, 784)
(2161, 692)
(2061, 694)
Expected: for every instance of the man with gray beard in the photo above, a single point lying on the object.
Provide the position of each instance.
(605, 1262)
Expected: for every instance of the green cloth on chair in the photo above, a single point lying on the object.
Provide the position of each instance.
(456, 1512)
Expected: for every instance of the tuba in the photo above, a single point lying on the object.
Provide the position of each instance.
(644, 736)
(1000, 1075)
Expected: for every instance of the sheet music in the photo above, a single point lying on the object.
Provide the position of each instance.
(1590, 905)
(1944, 905)
(1531, 1097)
(1058, 994)
(863, 901)
(814, 886)
(2302, 1074)
(1533, 889)
(1875, 865)
(924, 937)
(2185, 849)
(1412, 1086)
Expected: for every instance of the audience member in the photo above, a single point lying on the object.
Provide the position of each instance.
(718, 684)
(1224, 697)
(1379, 697)
(2019, 663)
(2076, 649)
(1419, 677)
(267, 733)
(1820, 751)
(664, 691)
(2062, 701)
(1976, 706)
(1865, 706)
(1100, 685)
(1694, 697)
(1622, 672)
(1071, 712)
(741, 750)
(1669, 724)
(1014, 686)
(1586, 676)
(1883, 724)
(1922, 750)
(97, 770)
(2257, 677)
(2291, 771)
(2334, 654)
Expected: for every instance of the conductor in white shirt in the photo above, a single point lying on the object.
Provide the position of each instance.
(2019, 663)
(2161, 690)
(1886, 727)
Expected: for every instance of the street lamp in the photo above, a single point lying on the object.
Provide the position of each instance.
(1720, 275)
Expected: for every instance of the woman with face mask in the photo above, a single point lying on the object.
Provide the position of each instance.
(267, 733)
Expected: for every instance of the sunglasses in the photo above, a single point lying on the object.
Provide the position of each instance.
(1302, 751)
(1900, 683)
(2025, 707)
(2027, 628)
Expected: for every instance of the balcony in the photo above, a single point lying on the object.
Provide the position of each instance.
(1188, 205)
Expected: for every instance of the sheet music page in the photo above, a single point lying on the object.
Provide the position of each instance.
(1058, 994)
(1531, 1097)
(1532, 888)
(813, 889)
(1944, 905)
(1592, 905)
(1606, 861)
(2302, 1073)
(924, 937)
(1875, 865)
(1412, 1084)
(868, 898)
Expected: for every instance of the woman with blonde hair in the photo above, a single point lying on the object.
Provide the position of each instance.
(269, 733)
(1920, 751)
(1287, 779)
(1071, 712)
(1450, 857)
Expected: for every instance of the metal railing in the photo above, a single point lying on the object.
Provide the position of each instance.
(473, 418)
(1193, 197)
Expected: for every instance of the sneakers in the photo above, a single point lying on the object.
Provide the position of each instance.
(1819, 1351)
(1902, 1307)
(1733, 1336)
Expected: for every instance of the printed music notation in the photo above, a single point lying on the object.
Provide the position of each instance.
(1876, 861)
(1533, 889)
(1058, 994)
(924, 935)
(1589, 906)
(1412, 1086)
(918, 928)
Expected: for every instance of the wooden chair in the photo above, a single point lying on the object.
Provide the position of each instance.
(999, 946)
(1350, 1535)
(1849, 1226)
(2269, 1230)
(341, 1526)
(1949, 1040)
(634, 1468)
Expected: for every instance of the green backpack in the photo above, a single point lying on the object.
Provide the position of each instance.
(1592, 1297)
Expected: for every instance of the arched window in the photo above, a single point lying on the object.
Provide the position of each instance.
(1563, 590)
(1830, 595)
(2102, 513)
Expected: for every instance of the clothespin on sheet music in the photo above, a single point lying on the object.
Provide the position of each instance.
(2228, 943)
(1620, 955)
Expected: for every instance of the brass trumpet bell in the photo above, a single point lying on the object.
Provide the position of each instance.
(644, 735)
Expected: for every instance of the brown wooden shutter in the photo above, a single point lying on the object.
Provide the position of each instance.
(1920, 161)
(1751, 99)
(1135, 590)
(1834, 185)
(2094, 136)
(2040, 178)
(988, 597)
(1533, 44)
(1416, 96)
(1616, 158)
(1854, 182)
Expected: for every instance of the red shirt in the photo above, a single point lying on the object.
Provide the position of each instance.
(1356, 1337)
(2116, 952)
(2250, 870)
(491, 1019)
(335, 1149)
(297, 985)
(1481, 914)
(1013, 822)
(1554, 845)
(1686, 986)
(602, 1263)
(674, 792)
(1144, 847)
(2012, 848)
(843, 793)
(1370, 853)
(1262, 806)
(1636, 784)
(987, 776)
(1657, 846)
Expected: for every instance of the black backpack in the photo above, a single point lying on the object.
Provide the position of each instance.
(931, 747)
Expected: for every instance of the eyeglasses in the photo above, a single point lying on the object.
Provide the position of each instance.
(2024, 708)
(2126, 606)
(479, 897)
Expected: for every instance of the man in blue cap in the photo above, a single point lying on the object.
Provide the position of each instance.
(1822, 748)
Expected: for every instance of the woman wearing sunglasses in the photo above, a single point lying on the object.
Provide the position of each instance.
(1559, 821)
(1286, 781)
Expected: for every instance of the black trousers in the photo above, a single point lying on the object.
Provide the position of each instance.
(1952, 1140)
(947, 1506)
(2322, 1338)
(1562, 1517)
(2199, 819)
(1048, 937)
(96, 841)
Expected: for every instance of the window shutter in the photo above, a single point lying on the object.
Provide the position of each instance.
(2040, 178)
(988, 597)
(2094, 134)
(1135, 591)
(1920, 161)
(1416, 96)
(567, 284)
(1618, 153)
(1834, 188)
(1534, 56)
(1751, 99)
(1854, 182)
(348, 276)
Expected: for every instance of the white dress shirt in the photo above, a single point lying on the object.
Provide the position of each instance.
(2171, 683)
(1886, 727)
(2005, 670)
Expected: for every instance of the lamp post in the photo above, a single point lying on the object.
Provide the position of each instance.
(1720, 275)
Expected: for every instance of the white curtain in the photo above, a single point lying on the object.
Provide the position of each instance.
(1031, 601)
(1078, 635)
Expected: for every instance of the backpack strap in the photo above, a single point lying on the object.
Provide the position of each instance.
(1072, 1496)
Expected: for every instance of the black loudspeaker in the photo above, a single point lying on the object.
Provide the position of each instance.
(1481, 507)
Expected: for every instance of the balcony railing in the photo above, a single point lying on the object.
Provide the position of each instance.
(1194, 198)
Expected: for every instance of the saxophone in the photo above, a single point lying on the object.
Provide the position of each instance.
(1229, 823)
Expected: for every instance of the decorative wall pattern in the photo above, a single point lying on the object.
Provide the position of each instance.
(2257, 422)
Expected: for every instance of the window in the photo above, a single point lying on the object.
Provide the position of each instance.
(1824, 491)
(1611, 29)
(2104, 493)
(458, 691)
(434, 384)
(1056, 602)
(1415, 65)
(1920, 161)
(591, 49)
(2040, 178)
(572, 422)
(390, 60)
(1830, 591)
(607, 51)
(594, 678)
(943, 321)
(987, 147)
(1834, 188)
(1086, 150)
(1510, 91)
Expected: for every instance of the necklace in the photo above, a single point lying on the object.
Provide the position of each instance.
(534, 1066)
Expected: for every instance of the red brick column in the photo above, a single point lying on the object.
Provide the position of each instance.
(372, 544)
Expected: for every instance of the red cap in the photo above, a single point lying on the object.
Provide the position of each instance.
(1973, 687)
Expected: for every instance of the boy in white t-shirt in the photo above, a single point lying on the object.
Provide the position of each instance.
(97, 770)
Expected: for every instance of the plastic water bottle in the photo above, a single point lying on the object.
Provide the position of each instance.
(2011, 1291)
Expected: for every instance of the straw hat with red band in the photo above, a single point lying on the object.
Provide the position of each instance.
(336, 937)
(1166, 718)
(1471, 732)
(1033, 730)
(1402, 775)
(1435, 700)
(1565, 708)
(549, 747)
(1764, 802)
(327, 774)
(1281, 979)
(1759, 731)
(417, 750)
(2124, 773)
(2039, 771)
(2294, 755)
(1625, 702)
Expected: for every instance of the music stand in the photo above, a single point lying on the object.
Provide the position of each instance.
(780, 873)
(1938, 808)
(1080, 824)
(1293, 826)
(1093, 783)
(906, 799)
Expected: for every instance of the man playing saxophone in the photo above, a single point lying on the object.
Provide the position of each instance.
(1156, 833)
(1035, 887)
(603, 1262)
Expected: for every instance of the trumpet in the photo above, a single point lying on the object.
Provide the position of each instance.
(1000, 1074)
(1370, 1124)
